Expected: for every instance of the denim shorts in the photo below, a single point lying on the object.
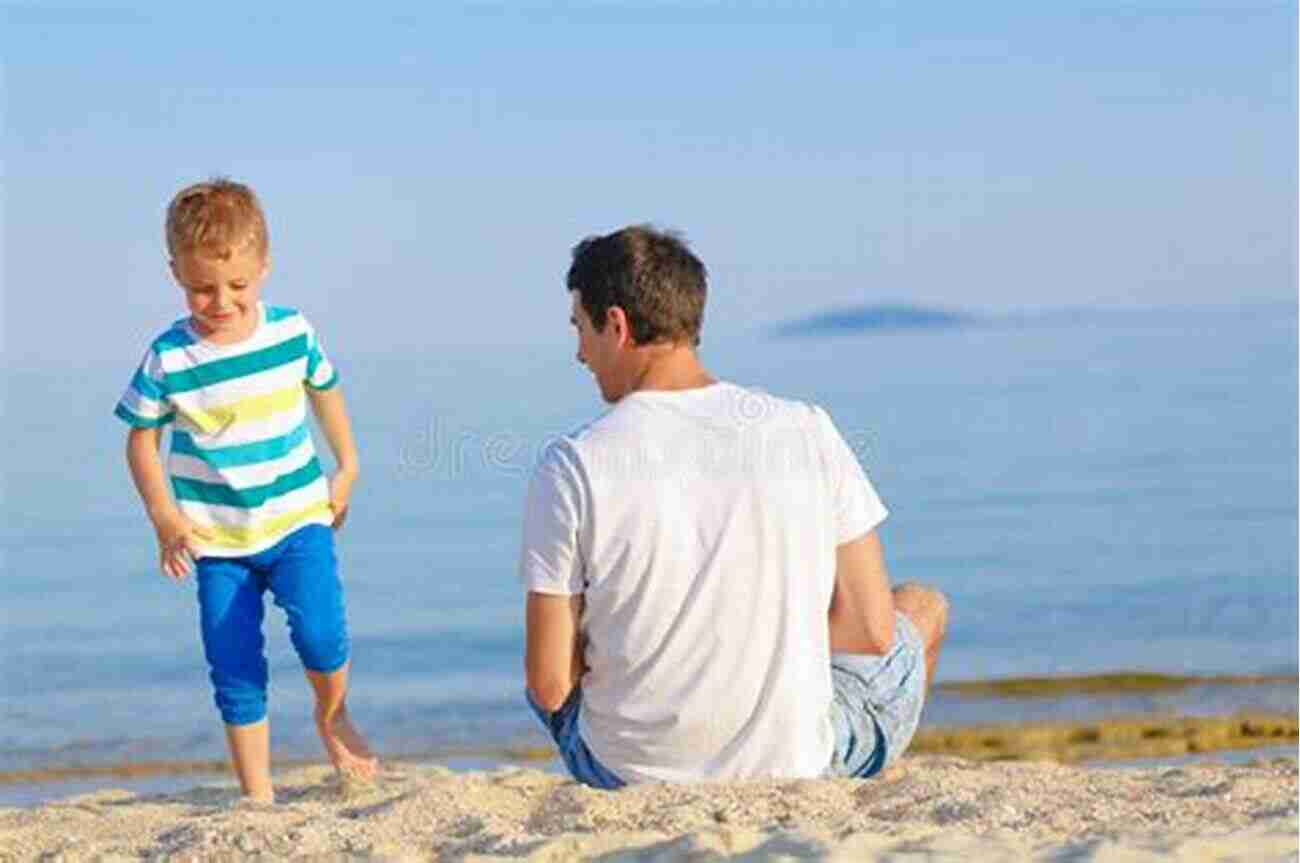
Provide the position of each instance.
(875, 709)
(563, 726)
(877, 703)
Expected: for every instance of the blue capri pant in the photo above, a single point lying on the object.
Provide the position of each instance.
(301, 571)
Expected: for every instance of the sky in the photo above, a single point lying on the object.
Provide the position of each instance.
(427, 170)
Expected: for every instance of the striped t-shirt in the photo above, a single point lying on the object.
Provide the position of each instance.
(242, 463)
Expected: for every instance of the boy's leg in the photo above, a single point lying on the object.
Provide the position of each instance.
(304, 581)
(230, 619)
(250, 752)
(347, 749)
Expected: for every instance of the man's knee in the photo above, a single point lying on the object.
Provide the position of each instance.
(926, 607)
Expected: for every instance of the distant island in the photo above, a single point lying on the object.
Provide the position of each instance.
(892, 317)
(855, 319)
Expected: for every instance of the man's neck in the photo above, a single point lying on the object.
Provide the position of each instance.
(670, 367)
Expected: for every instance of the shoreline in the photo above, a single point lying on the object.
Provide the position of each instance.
(1094, 742)
(1102, 683)
(1111, 719)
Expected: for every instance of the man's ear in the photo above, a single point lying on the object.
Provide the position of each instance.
(617, 318)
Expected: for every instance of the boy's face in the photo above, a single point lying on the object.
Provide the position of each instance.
(222, 295)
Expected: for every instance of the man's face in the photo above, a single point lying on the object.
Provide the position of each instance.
(598, 351)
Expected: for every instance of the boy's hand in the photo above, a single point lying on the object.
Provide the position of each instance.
(340, 493)
(333, 419)
(176, 544)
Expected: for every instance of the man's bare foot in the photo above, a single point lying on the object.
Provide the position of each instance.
(346, 747)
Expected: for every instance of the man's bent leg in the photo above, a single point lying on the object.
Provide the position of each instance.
(877, 703)
(928, 609)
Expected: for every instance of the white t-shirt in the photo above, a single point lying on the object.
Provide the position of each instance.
(700, 526)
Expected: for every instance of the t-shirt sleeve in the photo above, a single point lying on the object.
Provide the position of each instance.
(858, 509)
(321, 374)
(550, 560)
(145, 403)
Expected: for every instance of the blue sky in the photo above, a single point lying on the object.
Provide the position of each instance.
(426, 171)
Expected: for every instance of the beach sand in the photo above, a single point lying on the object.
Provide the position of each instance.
(939, 808)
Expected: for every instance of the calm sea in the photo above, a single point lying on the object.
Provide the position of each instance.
(1095, 491)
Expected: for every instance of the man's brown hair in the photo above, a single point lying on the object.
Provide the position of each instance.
(215, 219)
(648, 273)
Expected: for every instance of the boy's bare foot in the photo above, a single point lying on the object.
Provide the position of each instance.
(253, 802)
(346, 747)
(893, 773)
(352, 737)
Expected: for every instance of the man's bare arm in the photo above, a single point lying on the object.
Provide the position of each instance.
(552, 658)
(862, 607)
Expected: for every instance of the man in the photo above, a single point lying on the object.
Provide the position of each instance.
(707, 597)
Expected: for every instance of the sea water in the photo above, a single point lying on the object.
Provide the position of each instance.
(1094, 491)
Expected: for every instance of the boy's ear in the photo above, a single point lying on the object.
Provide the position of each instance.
(266, 266)
(171, 265)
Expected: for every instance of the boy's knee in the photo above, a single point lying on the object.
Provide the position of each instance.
(321, 648)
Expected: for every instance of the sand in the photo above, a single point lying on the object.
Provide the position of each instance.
(940, 808)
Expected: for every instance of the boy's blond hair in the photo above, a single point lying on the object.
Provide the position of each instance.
(215, 219)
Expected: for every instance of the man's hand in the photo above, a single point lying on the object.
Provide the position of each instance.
(177, 548)
(340, 493)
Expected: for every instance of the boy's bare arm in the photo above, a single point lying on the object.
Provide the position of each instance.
(332, 415)
(862, 607)
(175, 548)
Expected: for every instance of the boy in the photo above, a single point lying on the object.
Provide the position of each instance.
(249, 506)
